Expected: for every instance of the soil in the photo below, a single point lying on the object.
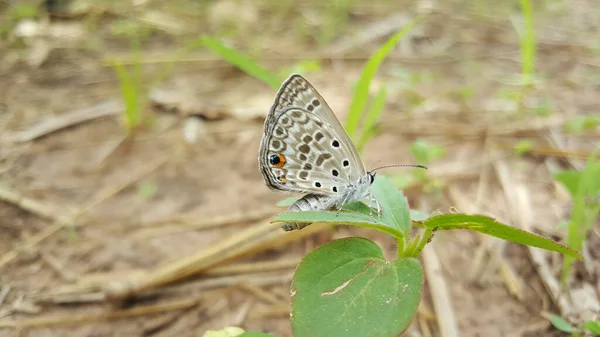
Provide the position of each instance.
(140, 201)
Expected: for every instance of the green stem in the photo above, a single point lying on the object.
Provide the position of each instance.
(401, 245)
(425, 238)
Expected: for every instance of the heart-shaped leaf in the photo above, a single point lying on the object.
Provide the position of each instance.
(347, 288)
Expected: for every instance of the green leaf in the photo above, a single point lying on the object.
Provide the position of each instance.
(130, 92)
(361, 91)
(286, 202)
(527, 40)
(347, 288)
(241, 61)
(372, 116)
(524, 146)
(394, 207)
(580, 124)
(302, 67)
(147, 190)
(561, 324)
(18, 12)
(592, 326)
(343, 218)
(394, 219)
(582, 186)
(425, 153)
(489, 226)
(418, 215)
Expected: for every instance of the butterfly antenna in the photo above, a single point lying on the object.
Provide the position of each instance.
(400, 165)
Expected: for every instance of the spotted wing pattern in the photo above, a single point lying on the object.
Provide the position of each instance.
(304, 147)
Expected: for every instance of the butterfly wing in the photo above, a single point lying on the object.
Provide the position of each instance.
(297, 92)
(314, 154)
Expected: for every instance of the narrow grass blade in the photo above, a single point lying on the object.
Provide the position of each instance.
(361, 92)
(528, 44)
(582, 185)
(130, 95)
(241, 61)
(371, 118)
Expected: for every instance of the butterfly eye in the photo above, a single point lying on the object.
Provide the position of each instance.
(277, 160)
(371, 177)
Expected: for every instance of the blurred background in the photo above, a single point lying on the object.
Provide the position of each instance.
(129, 135)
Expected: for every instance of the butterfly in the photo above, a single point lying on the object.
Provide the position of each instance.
(305, 149)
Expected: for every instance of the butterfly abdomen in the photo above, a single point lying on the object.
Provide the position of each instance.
(310, 202)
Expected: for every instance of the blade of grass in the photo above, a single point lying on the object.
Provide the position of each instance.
(371, 118)
(130, 95)
(241, 61)
(583, 217)
(361, 91)
(527, 42)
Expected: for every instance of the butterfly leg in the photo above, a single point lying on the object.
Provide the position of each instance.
(341, 205)
(371, 199)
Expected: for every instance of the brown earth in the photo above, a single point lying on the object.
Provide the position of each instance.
(135, 203)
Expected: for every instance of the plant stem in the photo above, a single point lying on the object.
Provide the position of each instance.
(425, 238)
(401, 245)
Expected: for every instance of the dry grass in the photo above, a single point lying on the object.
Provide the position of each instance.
(159, 236)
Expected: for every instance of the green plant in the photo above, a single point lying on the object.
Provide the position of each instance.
(590, 327)
(130, 29)
(424, 153)
(241, 61)
(527, 43)
(371, 117)
(147, 190)
(134, 86)
(361, 90)
(22, 11)
(584, 187)
(581, 124)
(524, 146)
(14, 14)
(132, 93)
(408, 83)
(347, 288)
(335, 18)
(301, 67)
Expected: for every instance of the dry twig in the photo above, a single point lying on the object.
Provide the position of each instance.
(61, 221)
(74, 319)
(439, 294)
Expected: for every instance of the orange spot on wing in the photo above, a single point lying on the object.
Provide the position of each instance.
(281, 161)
